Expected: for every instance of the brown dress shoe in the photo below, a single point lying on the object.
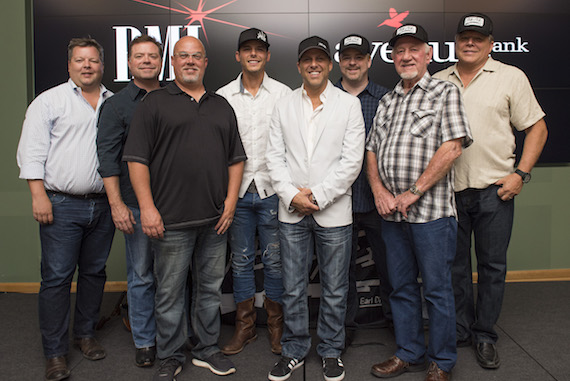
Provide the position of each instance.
(245, 328)
(90, 348)
(394, 367)
(56, 369)
(436, 374)
(274, 324)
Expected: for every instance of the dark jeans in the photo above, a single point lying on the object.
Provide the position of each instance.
(80, 236)
(426, 248)
(482, 213)
(371, 223)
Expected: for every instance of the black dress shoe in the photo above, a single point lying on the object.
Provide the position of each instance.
(56, 369)
(145, 356)
(487, 355)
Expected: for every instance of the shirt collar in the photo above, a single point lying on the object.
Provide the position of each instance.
(134, 91)
(102, 89)
(371, 88)
(323, 96)
(490, 66)
(422, 84)
(240, 89)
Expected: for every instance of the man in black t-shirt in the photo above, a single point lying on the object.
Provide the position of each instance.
(185, 161)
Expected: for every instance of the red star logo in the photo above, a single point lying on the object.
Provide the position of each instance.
(197, 15)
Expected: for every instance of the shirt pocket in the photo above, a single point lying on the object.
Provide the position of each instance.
(422, 124)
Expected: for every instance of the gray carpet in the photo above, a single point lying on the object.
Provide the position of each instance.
(534, 344)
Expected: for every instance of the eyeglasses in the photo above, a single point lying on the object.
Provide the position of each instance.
(185, 55)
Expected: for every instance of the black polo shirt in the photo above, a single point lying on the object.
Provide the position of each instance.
(188, 147)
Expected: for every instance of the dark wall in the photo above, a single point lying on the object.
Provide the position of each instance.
(528, 34)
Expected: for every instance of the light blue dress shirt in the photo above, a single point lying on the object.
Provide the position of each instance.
(58, 145)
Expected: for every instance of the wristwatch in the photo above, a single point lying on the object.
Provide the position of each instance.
(414, 190)
(525, 175)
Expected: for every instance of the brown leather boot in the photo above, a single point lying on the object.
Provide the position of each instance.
(274, 324)
(245, 328)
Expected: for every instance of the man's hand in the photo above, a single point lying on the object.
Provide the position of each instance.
(302, 202)
(123, 218)
(42, 209)
(510, 186)
(226, 218)
(404, 201)
(151, 222)
(385, 202)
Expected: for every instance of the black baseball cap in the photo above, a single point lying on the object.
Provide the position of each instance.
(253, 34)
(314, 42)
(477, 22)
(412, 30)
(355, 41)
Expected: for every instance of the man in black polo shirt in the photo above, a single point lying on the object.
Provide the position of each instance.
(185, 161)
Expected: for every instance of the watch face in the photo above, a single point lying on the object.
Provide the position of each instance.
(525, 176)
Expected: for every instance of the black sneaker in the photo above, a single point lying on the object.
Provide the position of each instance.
(283, 368)
(217, 363)
(169, 368)
(333, 370)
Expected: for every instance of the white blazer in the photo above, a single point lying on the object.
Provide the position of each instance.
(335, 163)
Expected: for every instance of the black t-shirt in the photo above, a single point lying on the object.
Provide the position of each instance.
(188, 147)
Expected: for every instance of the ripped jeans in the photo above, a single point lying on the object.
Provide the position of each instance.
(253, 213)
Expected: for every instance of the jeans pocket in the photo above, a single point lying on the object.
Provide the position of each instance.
(56, 198)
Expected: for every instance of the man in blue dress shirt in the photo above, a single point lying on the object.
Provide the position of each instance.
(57, 156)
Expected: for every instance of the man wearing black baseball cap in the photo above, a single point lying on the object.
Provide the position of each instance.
(419, 130)
(252, 95)
(354, 62)
(314, 154)
(497, 98)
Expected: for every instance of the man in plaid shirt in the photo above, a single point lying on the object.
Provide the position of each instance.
(419, 130)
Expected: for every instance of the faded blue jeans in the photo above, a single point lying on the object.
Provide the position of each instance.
(427, 249)
(140, 281)
(333, 247)
(253, 213)
(202, 251)
(79, 237)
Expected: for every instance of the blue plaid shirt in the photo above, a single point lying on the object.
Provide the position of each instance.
(362, 198)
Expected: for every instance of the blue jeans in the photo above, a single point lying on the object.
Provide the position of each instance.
(80, 236)
(429, 249)
(251, 213)
(371, 223)
(333, 246)
(140, 281)
(202, 251)
(483, 213)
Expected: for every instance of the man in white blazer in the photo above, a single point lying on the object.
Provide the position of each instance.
(314, 154)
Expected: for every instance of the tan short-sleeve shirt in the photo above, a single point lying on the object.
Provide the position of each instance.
(498, 98)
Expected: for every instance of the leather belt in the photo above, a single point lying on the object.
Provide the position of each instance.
(80, 196)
